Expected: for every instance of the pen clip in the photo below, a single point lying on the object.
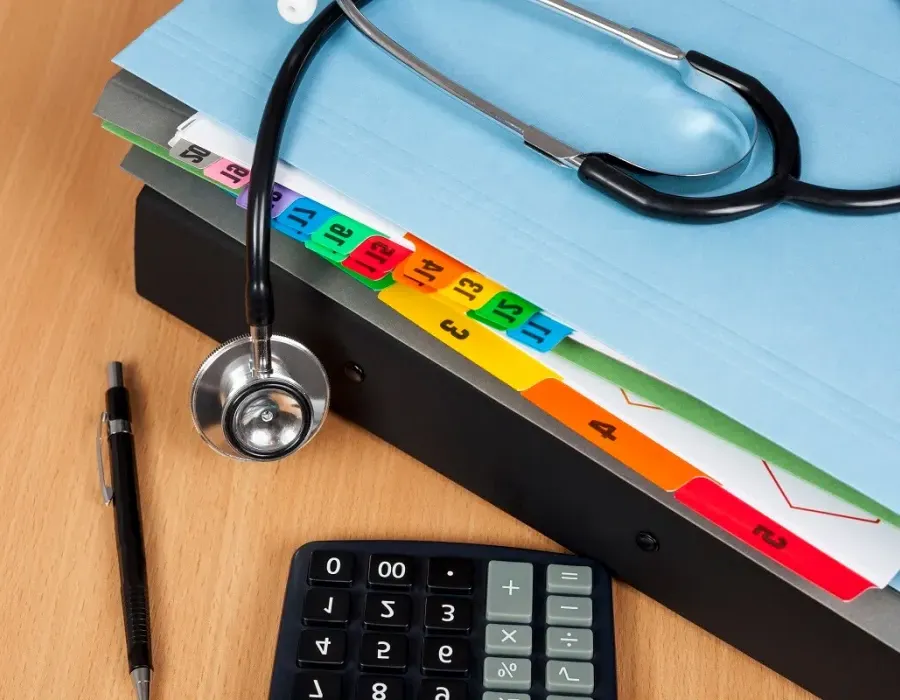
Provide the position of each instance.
(105, 491)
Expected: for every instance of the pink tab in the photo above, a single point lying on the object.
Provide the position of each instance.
(232, 175)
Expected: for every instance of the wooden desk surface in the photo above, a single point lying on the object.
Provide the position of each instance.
(219, 534)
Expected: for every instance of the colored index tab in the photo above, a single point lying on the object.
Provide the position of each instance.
(230, 174)
(377, 285)
(471, 289)
(192, 154)
(376, 257)
(282, 198)
(540, 332)
(631, 447)
(485, 348)
(338, 237)
(505, 311)
(303, 217)
(714, 503)
(428, 267)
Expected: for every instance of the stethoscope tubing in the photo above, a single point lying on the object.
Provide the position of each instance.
(601, 171)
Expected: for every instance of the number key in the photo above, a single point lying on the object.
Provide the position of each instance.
(333, 568)
(446, 614)
(322, 647)
(317, 686)
(376, 688)
(387, 610)
(325, 606)
(441, 656)
(391, 572)
(442, 690)
(383, 652)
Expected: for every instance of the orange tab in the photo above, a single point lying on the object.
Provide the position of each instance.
(428, 269)
(631, 447)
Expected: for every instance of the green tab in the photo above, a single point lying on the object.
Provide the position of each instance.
(377, 285)
(338, 236)
(505, 311)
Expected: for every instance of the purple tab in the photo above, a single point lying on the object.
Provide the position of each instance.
(282, 198)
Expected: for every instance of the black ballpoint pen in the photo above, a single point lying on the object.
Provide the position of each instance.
(129, 531)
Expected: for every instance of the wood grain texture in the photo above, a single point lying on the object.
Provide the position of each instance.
(219, 534)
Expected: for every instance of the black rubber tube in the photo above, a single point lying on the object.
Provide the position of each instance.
(259, 301)
(605, 172)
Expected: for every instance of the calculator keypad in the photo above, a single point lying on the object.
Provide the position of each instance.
(389, 625)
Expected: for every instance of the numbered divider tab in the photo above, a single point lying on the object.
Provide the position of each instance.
(471, 290)
(376, 285)
(282, 198)
(505, 311)
(427, 268)
(467, 336)
(303, 217)
(376, 257)
(338, 236)
(193, 155)
(540, 332)
(631, 447)
(228, 173)
(707, 498)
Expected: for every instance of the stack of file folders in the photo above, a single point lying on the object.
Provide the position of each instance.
(750, 369)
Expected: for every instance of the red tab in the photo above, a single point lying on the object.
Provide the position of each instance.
(765, 535)
(376, 256)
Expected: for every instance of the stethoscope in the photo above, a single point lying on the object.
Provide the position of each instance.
(263, 396)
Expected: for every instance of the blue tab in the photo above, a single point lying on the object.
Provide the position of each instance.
(303, 217)
(540, 332)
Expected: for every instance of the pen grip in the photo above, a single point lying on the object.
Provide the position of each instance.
(136, 610)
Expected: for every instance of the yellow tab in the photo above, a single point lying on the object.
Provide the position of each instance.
(471, 290)
(467, 336)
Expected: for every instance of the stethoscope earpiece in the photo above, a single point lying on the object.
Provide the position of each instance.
(252, 416)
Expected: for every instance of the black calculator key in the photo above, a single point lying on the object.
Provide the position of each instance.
(451, 574)
(334, 568)
(317, 686)
(388, 610)
(394, 572)
(448, 614)
(379, 688)
(326, 606)
(442, 655)
(383, 652)
(322, 647)
(442, 690)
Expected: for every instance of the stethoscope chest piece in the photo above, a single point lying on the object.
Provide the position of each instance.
(255, 416)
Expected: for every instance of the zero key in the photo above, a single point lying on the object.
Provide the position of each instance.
(331, 568)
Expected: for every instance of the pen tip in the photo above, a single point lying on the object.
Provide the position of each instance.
(114, 374)
(141, 678)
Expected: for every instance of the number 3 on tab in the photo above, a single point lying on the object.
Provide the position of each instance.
(458, 333)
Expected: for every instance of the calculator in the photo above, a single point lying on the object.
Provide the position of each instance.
(393, 620)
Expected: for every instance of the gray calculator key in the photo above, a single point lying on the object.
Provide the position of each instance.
(563, 643)
(509, 591)
(569, 612)
(508, 640)
(574, 580)
(574, 677)
(507, 674)
(493, 695)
